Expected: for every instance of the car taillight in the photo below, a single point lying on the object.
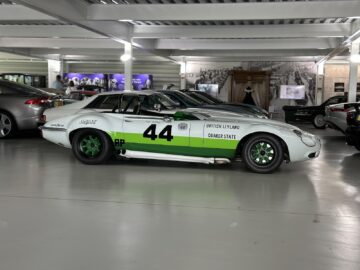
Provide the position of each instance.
(37, 101)
(339, 109)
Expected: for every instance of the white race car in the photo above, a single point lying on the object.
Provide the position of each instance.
(190, 136)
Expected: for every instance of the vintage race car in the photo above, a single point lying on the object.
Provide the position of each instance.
(187, 135)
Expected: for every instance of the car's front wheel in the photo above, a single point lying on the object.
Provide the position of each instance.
(319, 121)
(7, 125)
(92, 146)
(263, 153)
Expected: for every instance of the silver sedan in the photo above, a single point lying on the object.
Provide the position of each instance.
(21, 107)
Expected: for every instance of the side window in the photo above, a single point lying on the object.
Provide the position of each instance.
(148, 103)
(105, 102)
(130, 104)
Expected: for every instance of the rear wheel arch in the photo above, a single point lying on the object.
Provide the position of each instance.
(73, 132)
(11, 115)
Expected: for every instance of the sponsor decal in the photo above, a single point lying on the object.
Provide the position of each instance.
(223, 126)
(183, 126)
(88, 122)
(222, 136)
(119, 142)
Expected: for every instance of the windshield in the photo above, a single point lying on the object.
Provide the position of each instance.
(200, 98)
(209, 97)
(181, 98)
(165, 101)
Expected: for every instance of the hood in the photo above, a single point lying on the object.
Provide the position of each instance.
(223, 116)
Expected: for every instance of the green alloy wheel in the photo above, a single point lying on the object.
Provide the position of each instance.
(263, 153)
(92, 146)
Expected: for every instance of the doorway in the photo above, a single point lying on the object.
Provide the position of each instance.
(257, 81)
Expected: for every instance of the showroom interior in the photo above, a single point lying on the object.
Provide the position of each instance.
(211, 183)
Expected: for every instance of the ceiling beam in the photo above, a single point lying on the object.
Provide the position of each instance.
(238, 59)
(74, 12)
(59, 43)
(247, 44)
(21, 13)
(33, 31)
(226, 11)
(243, 31)
(158, 32)
(250, 53)
(28, 53)
(344, 46)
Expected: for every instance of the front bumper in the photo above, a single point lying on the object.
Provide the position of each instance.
(299, 151)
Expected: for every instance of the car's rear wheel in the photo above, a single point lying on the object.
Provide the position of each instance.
(263, 153)
(319, 121)
(7, 125)
(92, 146)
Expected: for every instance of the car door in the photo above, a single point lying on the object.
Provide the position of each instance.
(152, 133)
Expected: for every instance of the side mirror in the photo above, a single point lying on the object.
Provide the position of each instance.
(157, 107)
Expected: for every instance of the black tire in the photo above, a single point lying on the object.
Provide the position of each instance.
(263, 153)
(357, 146)
(7, 125)
(92, 146)
(319, 121)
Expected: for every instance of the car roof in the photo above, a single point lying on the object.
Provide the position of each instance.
(142, 92)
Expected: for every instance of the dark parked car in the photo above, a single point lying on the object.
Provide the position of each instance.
(312, 114)
(210, 100)
(352, 133)
(21, 107)
(185, 100)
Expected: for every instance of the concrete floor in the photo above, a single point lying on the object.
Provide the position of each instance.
(56, 213)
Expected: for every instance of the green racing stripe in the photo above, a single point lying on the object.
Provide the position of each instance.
(189, 146)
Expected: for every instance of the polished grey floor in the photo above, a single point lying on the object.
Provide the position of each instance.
(56, 213)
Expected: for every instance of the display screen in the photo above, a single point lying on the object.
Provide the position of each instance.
(292, 92)
(211, 89)
(79, 79)
(139, 82)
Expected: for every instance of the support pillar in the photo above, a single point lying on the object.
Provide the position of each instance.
(54, 69)
(320, 83)
(182, 75)
(127, 58)
(353, 72)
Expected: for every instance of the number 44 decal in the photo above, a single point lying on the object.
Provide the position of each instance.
(150, 132)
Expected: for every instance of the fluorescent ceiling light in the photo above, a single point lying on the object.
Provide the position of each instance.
(355, 58)
(125, 57)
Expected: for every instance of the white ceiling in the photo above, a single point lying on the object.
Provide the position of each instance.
(180, 30)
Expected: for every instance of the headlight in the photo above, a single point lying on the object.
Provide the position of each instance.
(306, 138)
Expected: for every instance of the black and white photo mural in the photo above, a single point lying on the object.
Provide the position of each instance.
(282, 74)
